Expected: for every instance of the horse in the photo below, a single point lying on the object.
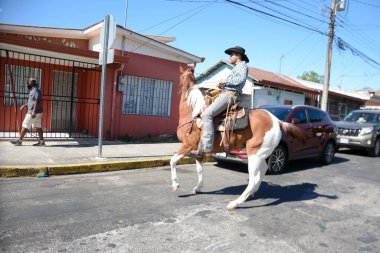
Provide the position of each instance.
(260, 138)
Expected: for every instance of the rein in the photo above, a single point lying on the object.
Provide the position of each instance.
(186, 123)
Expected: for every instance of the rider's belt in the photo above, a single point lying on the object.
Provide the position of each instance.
(232, 92)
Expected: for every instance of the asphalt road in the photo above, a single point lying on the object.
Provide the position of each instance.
(334, 208)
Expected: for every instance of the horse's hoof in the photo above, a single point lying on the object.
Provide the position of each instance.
(195, 191)
(175, 187)
(232, 205)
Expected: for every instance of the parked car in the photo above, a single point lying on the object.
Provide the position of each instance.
(321, 143)
(360, 129)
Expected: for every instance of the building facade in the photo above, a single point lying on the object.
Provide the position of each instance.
(141, 85)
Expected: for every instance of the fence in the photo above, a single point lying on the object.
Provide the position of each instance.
(71, 94)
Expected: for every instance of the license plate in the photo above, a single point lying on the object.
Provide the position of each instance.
(221, 155)
(343, 140)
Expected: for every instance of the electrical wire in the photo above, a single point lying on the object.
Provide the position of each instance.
(276, 17)
(167, 20)
(373, 5)
(180, 22)
(293, 10)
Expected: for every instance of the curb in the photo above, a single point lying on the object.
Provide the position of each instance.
(32, 171)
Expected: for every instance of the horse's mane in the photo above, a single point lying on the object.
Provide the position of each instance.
(191, 92)
(195, 100)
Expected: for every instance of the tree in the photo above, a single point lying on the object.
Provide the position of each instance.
(312, 76)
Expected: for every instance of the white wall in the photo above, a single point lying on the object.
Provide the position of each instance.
(270, 96)
(134, 45)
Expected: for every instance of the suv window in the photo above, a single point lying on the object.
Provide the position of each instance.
(316, 116)
(358, 116)
(300, 115)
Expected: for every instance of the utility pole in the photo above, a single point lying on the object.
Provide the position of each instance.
(326, 82)
(126, 11)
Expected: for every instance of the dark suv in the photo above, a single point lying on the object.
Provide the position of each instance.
(360, 129)
(321, 142)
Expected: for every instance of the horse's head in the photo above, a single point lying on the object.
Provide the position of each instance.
(191, 95)
(187, 79)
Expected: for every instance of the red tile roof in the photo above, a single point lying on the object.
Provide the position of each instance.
(267, 78)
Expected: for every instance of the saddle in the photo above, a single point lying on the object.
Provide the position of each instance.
(232, 119)
(235, 120)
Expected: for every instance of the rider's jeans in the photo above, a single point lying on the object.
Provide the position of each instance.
(217, 107)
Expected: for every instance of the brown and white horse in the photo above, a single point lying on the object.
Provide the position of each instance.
(260, 137)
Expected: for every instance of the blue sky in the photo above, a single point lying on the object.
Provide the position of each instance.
(207, 27)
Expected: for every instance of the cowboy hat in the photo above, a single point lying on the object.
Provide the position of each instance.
(238, 50)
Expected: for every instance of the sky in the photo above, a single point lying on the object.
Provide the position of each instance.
(282, 36)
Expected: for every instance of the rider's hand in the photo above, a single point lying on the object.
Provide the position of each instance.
(22, 107)
(33, 115)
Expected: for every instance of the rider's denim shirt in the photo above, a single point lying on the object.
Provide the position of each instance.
(235, 81)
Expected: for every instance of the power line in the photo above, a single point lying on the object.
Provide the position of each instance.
(287, 8)
(344, 45)
(341, 44)
(276, 17)
(373, 5)
(150, 27)
(278, 12)
(180, 22)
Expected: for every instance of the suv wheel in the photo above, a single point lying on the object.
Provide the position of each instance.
(277, 160)
(375, 151)
(328, 153)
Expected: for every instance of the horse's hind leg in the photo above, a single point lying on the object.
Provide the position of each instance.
(257, 168)
(198, 187)
(173, 162)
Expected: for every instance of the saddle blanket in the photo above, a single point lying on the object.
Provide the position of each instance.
(240, 121)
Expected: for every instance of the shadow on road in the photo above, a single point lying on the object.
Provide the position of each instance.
(356, 152)
(289, 193)
(281, 194)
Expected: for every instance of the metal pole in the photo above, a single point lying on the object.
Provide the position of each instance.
(72, 101)
(253, 95)
(14, 99)
(326, 82)
(126, 10)
(102, 90)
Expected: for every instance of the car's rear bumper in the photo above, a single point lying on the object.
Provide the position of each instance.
(227, 157)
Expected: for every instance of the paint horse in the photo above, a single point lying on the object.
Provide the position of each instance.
(260, 137)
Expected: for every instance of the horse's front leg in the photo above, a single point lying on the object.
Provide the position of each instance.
(198, 187)
(173, 163)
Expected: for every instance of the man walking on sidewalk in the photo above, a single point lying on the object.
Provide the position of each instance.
(34, 114)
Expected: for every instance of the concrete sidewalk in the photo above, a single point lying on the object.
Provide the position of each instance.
(80, 156)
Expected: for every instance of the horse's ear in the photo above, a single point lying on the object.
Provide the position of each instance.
(193, 67)
(181, 69)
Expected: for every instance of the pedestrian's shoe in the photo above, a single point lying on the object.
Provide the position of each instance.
(40, 143)
(16, 142)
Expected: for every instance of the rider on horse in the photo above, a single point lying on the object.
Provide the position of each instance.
(231, 90)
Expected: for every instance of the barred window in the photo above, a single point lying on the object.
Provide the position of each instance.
(146, 96)
(20, 75)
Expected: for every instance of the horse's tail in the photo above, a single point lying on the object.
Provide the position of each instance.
(294, 131)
